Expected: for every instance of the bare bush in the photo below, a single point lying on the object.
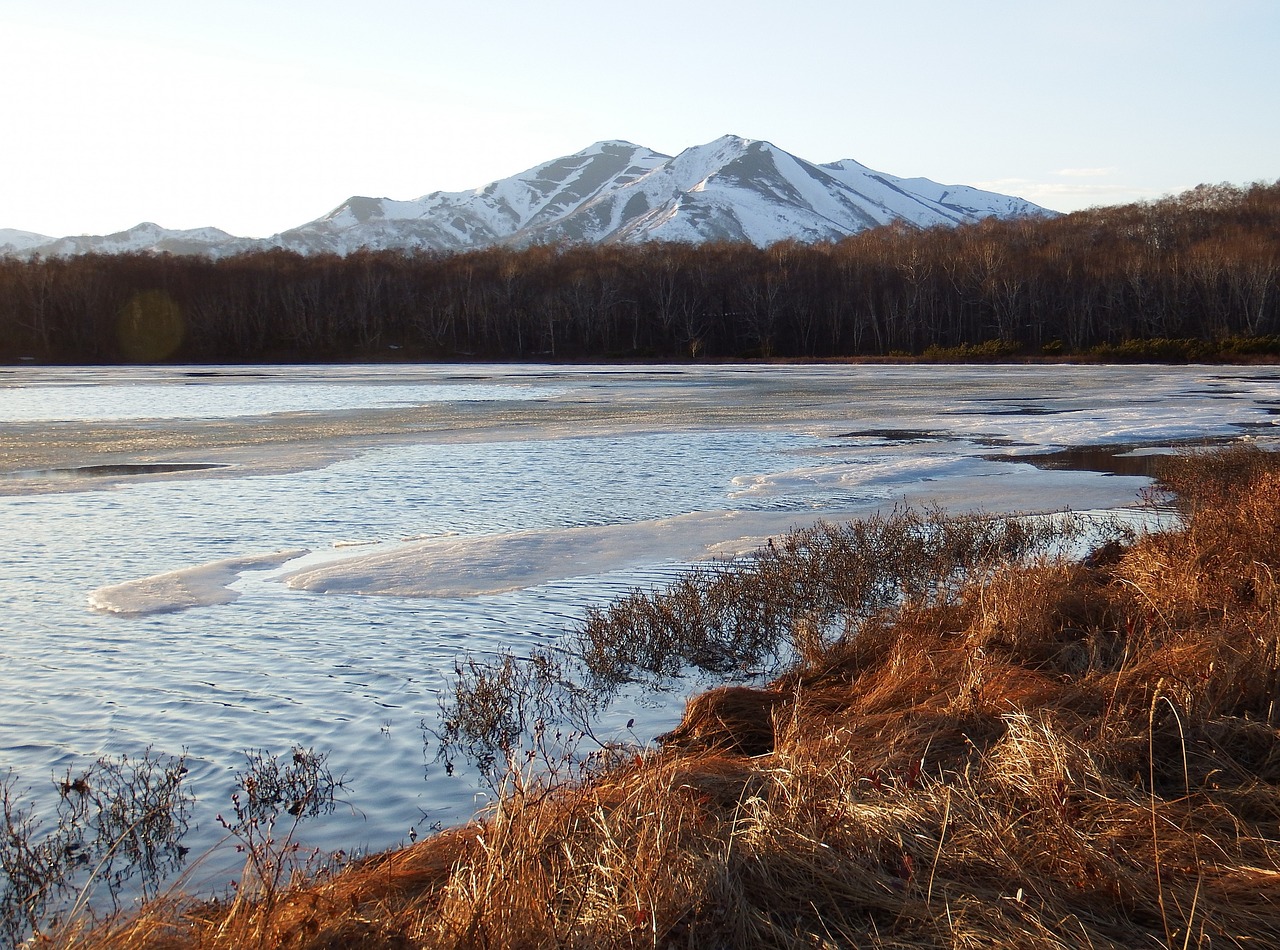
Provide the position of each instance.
(785, 604)
(509, 708)
(823, 582)
(117, 823)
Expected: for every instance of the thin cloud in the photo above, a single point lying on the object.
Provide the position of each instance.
(1069, 196)
(1086, 172)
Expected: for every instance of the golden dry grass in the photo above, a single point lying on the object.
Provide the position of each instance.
(1064, 756)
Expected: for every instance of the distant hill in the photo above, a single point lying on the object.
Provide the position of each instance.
(732, 189)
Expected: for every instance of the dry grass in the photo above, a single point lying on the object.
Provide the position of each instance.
(1060, 756)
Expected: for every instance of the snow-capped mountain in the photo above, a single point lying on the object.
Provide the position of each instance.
(20, 242)
(140, 237)
(731, 189)
(502, 212)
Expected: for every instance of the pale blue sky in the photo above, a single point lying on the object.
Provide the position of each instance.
(258, 115)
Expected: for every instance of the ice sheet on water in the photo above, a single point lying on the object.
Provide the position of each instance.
(471, 566)
(492, 564)
(200, 586)
(46, 394)
(870, 474)
(459, 567)
(1127, 417)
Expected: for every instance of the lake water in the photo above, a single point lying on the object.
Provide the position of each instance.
(218, 559)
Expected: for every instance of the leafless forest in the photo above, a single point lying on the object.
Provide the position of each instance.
(1188, 277)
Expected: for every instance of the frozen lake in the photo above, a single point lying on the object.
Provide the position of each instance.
(227, 559)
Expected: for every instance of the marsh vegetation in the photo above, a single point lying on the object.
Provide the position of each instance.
(1021, 748)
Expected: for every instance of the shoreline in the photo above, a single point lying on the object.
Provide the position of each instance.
(285, 359)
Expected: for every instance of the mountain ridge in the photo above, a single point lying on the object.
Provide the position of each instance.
(613, 191)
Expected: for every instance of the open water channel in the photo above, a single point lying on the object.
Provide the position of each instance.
(222, 559)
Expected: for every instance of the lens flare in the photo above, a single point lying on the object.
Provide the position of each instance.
(150, 327)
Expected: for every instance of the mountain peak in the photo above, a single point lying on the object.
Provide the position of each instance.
(607, 145)
(734, 141)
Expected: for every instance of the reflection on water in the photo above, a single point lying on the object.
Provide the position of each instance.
(356, 675)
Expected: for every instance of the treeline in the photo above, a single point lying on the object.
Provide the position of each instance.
(1189, 276)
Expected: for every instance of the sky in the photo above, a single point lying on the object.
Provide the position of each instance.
(256, 116)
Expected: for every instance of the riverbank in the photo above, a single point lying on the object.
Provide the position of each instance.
(1055, 754)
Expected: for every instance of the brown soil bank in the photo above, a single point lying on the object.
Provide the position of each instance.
(1067, 755)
